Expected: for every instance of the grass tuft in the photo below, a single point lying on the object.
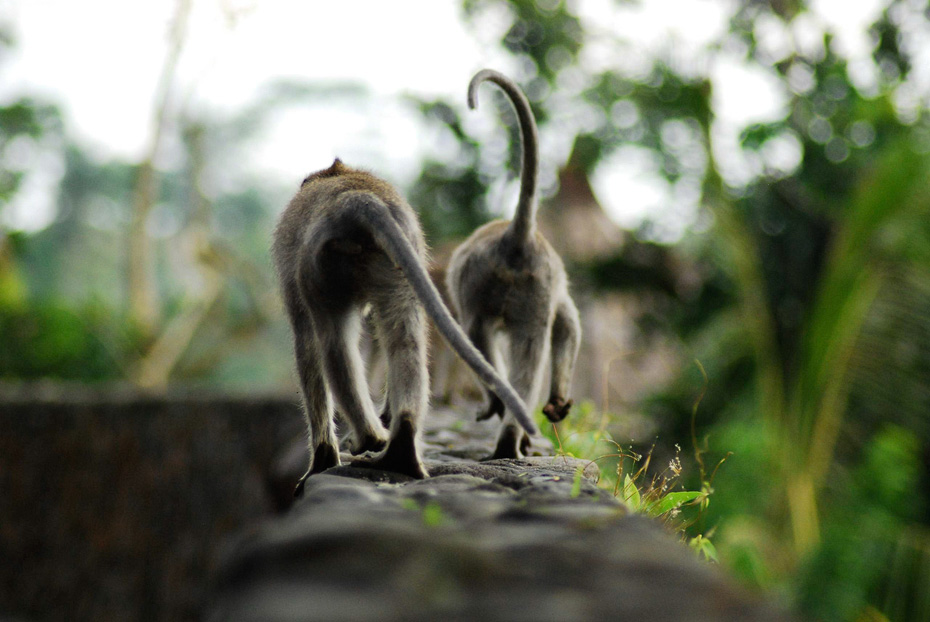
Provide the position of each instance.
(634, 478)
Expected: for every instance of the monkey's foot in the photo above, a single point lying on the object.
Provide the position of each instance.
(324, 457)
(401, 453)
(496, 407)
(557, 409)
(370, 442)
(509, 444)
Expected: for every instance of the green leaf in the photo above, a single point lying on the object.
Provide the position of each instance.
(673, 500)
(631, 493)
(703, 546)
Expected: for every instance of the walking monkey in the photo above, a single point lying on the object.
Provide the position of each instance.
(348, 240)
(507, 280)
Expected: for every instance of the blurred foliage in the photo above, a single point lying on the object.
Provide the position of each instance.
(546, 32)
(23, 120)
(450, 191)
(808, 268)
(63, 287)
(57, 340)
(813, 344)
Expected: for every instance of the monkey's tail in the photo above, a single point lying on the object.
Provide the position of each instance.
(524, 221)
(385, 230)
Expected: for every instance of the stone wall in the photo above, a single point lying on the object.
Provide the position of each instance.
(114, 505)
(120, 506)
(533, 539)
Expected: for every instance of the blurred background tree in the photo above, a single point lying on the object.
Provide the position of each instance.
(791, 257)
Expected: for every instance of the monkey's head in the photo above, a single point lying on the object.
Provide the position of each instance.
(337, 168)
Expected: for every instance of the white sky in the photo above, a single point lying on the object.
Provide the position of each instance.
(100, 59)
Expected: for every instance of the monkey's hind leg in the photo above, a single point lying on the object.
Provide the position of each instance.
(317, 403)
(566, 339)
(339, 334)
(402, 329)
(401, 454)
(480, 334)
(528, 349)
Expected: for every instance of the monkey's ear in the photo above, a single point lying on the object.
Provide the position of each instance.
(337, 168)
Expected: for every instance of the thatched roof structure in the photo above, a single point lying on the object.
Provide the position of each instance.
(574, 221)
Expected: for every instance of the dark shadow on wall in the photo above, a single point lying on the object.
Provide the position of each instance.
(115, 505)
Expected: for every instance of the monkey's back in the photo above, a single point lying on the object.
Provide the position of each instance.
(505, 279)
(317, 227)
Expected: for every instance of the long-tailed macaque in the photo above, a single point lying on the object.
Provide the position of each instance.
(348, 240)
(507, 280)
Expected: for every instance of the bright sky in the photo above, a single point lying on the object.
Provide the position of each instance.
(99, 59)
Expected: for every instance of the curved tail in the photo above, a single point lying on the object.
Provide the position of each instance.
(524, 221)
(385, 230)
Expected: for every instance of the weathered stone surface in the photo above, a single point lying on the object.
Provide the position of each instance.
(497, 540)
(113, 504)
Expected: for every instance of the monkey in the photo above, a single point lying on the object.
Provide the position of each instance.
(507, 280)
(347, 242)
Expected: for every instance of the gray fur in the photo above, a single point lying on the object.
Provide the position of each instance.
(345, 241)
(507, 280)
